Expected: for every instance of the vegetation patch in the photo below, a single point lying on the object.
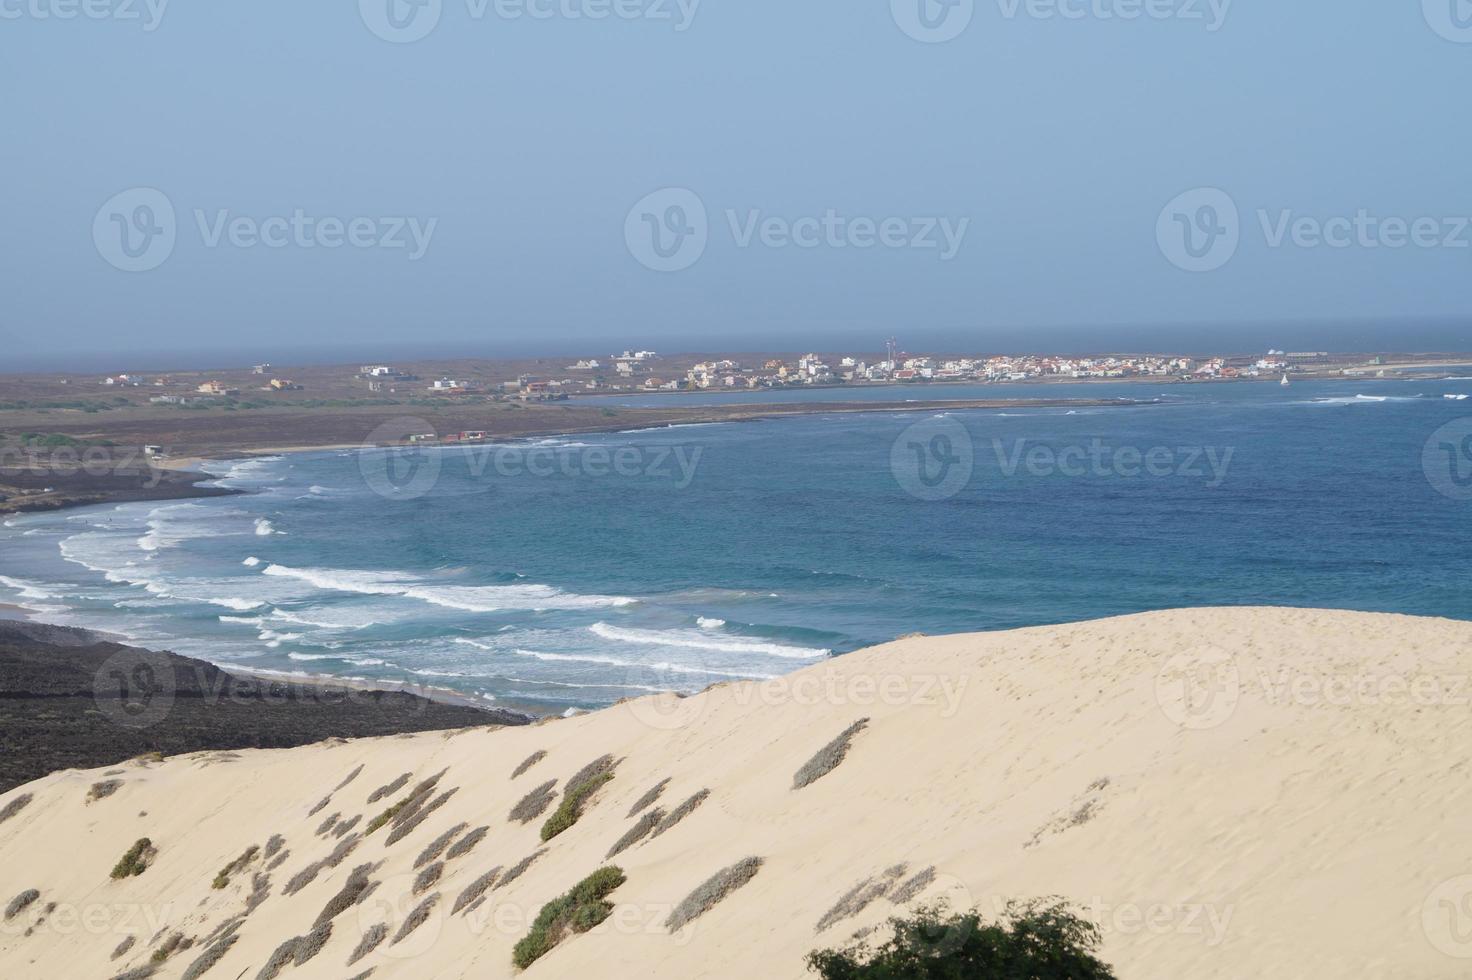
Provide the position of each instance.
(388, 789)
(861, 896)
(124, 946)
(476, 890)
(534, 804)
(582, 908)
(829, 756)
(328, 824)
(260, 890)
(319, 806)
(210, 957)
(407, 826)
(373, 937)
(138, 972)
(467, 843)
(274, 845)
(406, 806)
(343, 826)
(437, 846)
(570, 810)
(711, 891)
(427, 878)
(647, 800)
(680, 813)
(416, 918)
(277, 961)
(223, 878)
(174, 943)
(102, 790)
(1083, 809)
(519, 869)
(303, 878)
(911, 889)
(20, 903)
(311, 944)
(638, 832)
(135, 860)
(278, 860)
(349, 778)
(528, 762)
(15, 806)
(353, 891)
(1040, 940)
(344, 847)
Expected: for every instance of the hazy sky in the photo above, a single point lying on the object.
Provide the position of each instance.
(990, 174)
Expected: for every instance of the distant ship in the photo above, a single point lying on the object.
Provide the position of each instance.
(1284, 382)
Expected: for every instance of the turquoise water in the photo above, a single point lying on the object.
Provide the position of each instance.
(568, 573)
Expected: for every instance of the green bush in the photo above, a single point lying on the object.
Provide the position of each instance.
(1040, 940)
(135, 861)
(571, 807)
(582, 908)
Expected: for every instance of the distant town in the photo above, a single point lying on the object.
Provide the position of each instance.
(648, 370)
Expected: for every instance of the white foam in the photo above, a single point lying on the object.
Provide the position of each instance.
(709, 623)
(263, 527)
(251, 562)
(697, 641)
(471, 598)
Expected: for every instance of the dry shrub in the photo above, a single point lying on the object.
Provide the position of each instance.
(534, 804)
(15, 806)
(247, 856)
(528, 762)
(328, 824)
(277, 961)
(260, 890)
(647, 800)
(467, 843)
(274, 845)
(859, 897)
(278, 860)
(20, 903)
(638, 832)
(416, 918)
(344, 847)
(599, 766)
(373, 936)
(343, 826)
(519, 868)
(427, 878)
(210, 957)
(437, 846)
(421, 814)
(138, 972)
(908, 891)
(303, 878)
(388, 789)
(829, 756)
(349, 778)
(102, 790)
(711, 891)
(124, 946)
(570, 810)
(319, 806)
(680, 812)
(353, 891)
(476, 890)
(311, 944)
(582, 908)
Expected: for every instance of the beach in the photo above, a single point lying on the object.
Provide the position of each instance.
(1225, 792)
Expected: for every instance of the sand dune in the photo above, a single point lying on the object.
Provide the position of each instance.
(1228, 793)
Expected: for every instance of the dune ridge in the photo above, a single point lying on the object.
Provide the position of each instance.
(1226, 792)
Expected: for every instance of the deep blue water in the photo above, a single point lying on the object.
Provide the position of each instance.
(787, 541)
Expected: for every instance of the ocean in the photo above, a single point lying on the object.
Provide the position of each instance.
(568, 573)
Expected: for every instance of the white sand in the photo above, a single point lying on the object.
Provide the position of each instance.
(1306, 814)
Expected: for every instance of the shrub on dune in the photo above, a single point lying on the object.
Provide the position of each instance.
(570, 810)
(582, 908)
(467, 843)
(15, 806)
(135, 860)
(711, 891)
(20, 903)
(528, 762)
(829, 756)
(534, 804)
(647, 800)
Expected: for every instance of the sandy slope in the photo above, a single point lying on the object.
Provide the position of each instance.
(1230, 793)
